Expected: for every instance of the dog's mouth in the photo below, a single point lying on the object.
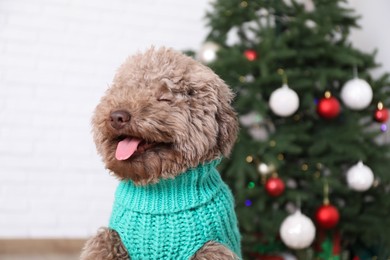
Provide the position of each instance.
(129, 146)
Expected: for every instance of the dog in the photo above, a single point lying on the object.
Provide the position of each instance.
(161, 128)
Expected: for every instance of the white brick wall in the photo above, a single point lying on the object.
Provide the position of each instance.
(56, 59)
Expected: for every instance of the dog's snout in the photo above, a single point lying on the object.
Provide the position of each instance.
(119, 118)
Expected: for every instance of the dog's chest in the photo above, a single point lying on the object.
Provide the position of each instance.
(174, 218)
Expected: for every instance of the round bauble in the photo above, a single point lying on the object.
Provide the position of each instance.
(297, 231)
(381, 114)
(327, 216)
(208, 52)
(284, 101)
(251, 55)
(360, 177)
(328, 107)
(274, 186)
(356, 94)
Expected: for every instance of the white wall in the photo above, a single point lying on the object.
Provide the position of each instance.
(375, 23)
(56, 59)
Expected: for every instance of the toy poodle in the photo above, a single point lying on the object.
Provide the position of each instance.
(161, 128)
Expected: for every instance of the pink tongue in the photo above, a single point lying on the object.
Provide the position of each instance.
(126, 148)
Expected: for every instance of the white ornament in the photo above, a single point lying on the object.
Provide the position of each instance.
(284, 101)
(356, 94)
(208, 52)
(297, 231)
(360, 177)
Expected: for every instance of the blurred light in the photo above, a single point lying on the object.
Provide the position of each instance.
(249, 159)
(263, 168)
(209, 55)
(383, 127)
(244, 4)
(248, 203)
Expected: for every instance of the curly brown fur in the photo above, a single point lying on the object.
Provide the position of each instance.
(214, 251)
(105, 245)
(180, 108)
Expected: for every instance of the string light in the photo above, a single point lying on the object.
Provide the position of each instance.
(375, 183)
(272, 143)
(280, 157)
(251, 185)
(265, 169)
(297, 117)
(249, 159)
(244, 4)
(262, 168)
(305, 167)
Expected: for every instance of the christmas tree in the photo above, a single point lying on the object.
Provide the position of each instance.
(312, 129)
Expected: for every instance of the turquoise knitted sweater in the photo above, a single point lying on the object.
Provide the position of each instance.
(175, 217)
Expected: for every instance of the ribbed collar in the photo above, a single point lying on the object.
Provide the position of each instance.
(190, 189)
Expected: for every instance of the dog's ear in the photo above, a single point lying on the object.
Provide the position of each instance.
(227, 122)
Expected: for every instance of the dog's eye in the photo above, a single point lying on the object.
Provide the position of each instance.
(167, 97)
(164, 99)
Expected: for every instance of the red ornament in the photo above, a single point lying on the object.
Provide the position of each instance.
(328, 107)
(251, 55)
(274, 186)
(327, 216)
(381, 114)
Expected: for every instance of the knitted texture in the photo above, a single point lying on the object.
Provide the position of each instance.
(175, 217)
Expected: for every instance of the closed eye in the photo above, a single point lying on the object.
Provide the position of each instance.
(164, 99)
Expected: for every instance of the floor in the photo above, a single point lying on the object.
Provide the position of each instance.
(38, 257)
(40, 249)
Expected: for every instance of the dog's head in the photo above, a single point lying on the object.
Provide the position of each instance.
(163, 114)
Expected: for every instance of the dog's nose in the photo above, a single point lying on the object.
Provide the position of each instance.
(119, 118)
